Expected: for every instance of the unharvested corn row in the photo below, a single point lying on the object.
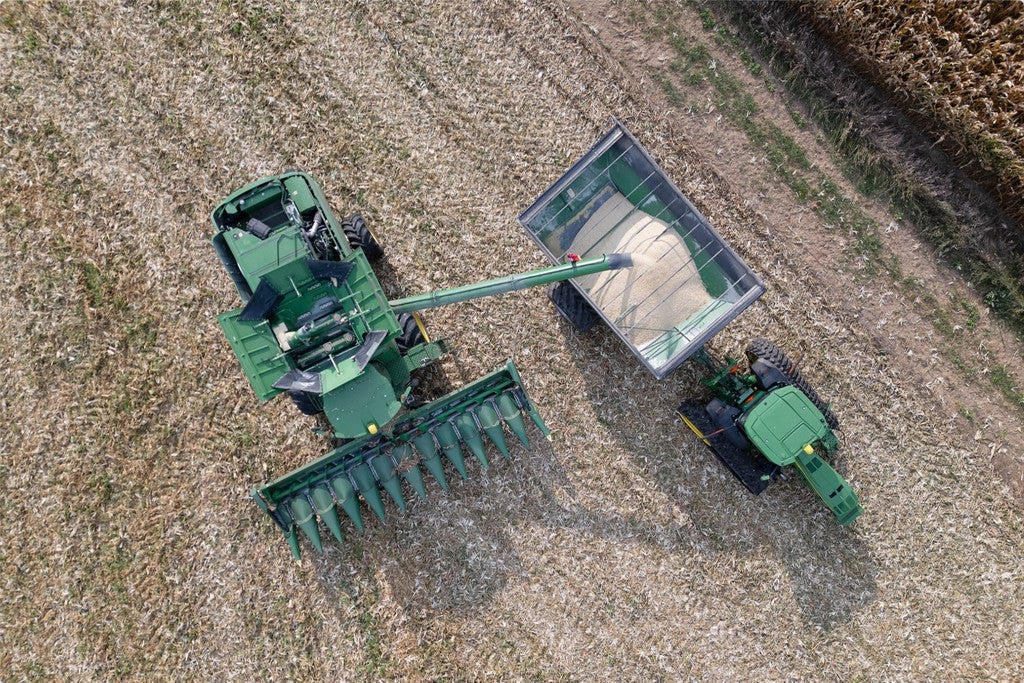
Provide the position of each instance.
(962, 64)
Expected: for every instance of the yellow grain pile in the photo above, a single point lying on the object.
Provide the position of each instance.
(662, 289)
(959, 64)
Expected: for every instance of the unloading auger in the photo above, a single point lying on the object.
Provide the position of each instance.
(316, 325)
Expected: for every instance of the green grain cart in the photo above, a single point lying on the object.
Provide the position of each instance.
(686, 285)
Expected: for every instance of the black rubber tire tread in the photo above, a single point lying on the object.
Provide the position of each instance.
(724, 418)
(307, 403)
(351, 227)
(359, 237)
(411, 335)
(751, 468)
(573, 306)
(761, 348)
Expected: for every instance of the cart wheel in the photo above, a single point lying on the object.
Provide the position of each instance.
(359, 237)
(307, 403)
(763, 350)
(411, 334)
(573, 307)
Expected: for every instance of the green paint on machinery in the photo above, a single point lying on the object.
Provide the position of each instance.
(761, 421)
(768, 419)
(316, 324)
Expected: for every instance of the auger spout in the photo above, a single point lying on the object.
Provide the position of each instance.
(510, 283)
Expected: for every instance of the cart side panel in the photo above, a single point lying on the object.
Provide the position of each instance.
(610, 193)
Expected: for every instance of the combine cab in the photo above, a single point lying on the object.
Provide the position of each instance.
(316, 325)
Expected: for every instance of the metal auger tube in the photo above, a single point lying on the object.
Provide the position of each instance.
(511, 283)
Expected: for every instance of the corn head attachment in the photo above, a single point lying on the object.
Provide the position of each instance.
(316, 325)
(373, 468)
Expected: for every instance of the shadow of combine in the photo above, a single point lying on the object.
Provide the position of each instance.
(454, 551)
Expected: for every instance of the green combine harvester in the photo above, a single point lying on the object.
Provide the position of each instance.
(316, 325)
(628, 249)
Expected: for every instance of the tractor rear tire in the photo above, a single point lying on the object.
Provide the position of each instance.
(573, 307)
(764, 350)
(307, 403)
(359, 237)
(411, 334)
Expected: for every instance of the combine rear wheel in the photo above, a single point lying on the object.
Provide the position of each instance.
(763, 350)
(359, 237)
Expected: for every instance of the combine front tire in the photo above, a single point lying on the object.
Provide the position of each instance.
(359, 237)
(307, 403)
(411, 333)
(765, 351)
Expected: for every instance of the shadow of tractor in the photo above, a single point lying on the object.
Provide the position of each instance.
(830, 570)
(454, 551)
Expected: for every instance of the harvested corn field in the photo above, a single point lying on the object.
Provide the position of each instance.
(619, 550)
(960, 65)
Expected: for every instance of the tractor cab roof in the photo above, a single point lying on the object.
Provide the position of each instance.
(782, 423)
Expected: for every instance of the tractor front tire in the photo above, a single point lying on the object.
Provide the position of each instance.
(359, 237)
(307, 403)
(763, 350)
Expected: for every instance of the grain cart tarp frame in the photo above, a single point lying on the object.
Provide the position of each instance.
(619, 172)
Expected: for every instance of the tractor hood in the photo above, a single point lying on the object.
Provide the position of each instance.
(782, 423)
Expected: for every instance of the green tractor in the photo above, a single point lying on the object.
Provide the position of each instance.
(686, 285)
(316, 325)
(767, 419)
